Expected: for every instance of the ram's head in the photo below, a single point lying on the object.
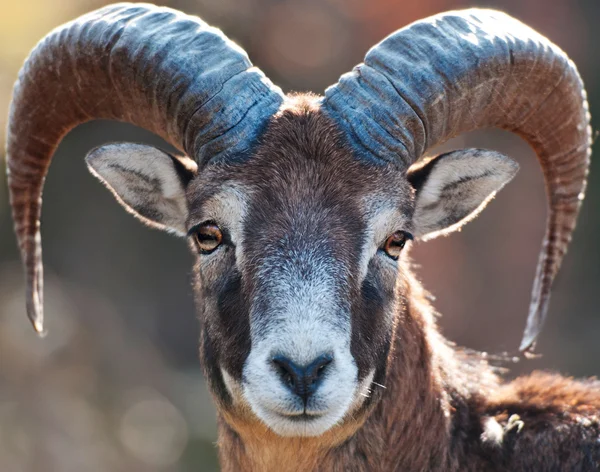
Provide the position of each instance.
(297, 208)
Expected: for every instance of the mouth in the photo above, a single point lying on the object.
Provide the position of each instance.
(301, 423)
(300, 417)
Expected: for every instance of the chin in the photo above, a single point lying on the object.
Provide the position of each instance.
(302, 424)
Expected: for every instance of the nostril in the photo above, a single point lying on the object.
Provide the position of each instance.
(289, 372)
(317, 368)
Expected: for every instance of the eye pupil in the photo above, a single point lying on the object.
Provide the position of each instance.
(395, 243)
(208, 237)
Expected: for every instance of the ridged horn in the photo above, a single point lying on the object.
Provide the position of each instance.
(464, 70)
(154, 67)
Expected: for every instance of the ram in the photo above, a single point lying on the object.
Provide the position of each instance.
(297, 209)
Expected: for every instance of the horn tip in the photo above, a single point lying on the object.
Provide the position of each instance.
(530, 335)
(36, 317)
(527, 346)
(536, 318)
(529, 340)
(38, 324)
(38, 327)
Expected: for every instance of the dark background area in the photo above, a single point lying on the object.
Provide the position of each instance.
(116, 384)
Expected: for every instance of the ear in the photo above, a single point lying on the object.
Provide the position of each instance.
(452, 188)
(148, 182)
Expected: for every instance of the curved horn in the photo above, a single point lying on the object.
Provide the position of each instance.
(465, 70)
(154, 67)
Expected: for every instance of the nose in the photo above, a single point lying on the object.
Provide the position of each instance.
(302, 380)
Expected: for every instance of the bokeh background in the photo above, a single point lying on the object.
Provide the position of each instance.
(116, 384)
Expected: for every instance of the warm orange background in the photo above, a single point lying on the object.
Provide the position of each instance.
(116, 385)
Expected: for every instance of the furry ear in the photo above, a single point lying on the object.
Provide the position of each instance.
(148, 182)
(452, 188)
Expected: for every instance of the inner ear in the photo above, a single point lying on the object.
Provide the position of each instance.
(452, 188)
(149, 183)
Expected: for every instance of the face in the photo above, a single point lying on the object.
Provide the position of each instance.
(300, 269)
(294, 284)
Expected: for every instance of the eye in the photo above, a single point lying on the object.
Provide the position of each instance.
(395, 243)
(207, 237)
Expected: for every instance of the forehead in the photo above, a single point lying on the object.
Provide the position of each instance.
(303, 171)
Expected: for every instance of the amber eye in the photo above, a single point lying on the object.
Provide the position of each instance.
(208, 237)
(395, 243)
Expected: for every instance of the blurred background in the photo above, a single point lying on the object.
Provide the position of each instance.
(116, 384)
